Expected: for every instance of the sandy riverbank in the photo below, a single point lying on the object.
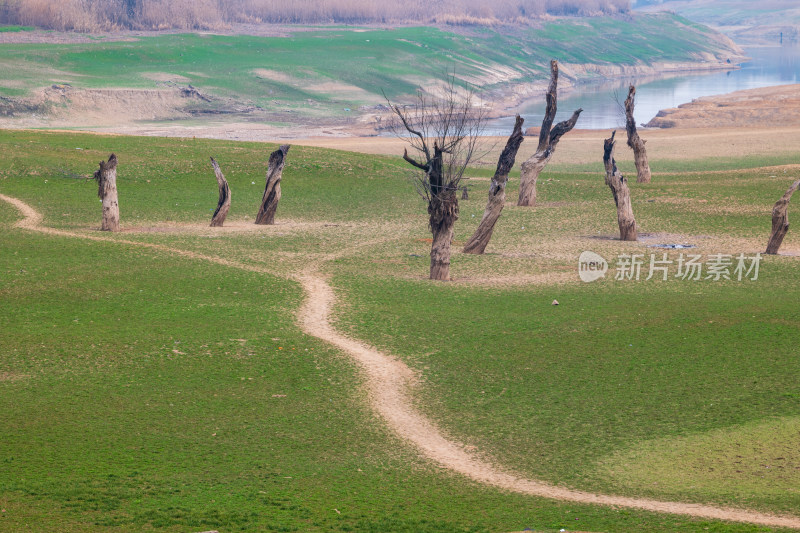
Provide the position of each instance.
(769, 106)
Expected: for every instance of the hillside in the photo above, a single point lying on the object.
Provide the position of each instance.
(745, 21)
(323, 76)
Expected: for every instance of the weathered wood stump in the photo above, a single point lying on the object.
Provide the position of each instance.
(780, 220)
(272, 191)
(636, 143)
(224, 203)
(548, 139)
(619, 188)
(497, 192)
(106, 177)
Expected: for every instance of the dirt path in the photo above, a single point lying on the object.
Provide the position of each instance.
(389, 381)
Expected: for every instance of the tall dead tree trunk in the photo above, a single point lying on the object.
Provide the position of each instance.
(497, 192)
(780, 220)
(272, 191)
(442, 213)
(548, 139)
(635, 142)
(224, 202)
(619, 188)
(106, 177)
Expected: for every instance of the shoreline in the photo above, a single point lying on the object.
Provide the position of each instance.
(503, 101)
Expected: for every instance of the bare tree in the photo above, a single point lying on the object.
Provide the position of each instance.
(443, 131)
(619, 188)
(635, 142)
(106, 177)
(548, 139)
(497, 192)
(272, 191)
(780, 220)
(224, 202)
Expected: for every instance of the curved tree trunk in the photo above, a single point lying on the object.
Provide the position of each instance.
(106, 177)
(780, 220)
(224, 197)
(497, 192)
(636, 142)
(619, 188)
(548, 139)
(272, 191)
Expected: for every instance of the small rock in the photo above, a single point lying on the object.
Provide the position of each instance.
(555, 302)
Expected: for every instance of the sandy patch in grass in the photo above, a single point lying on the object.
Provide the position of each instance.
(11, 376)
(321, 86)
(280, 226)
(585, 146)
(274, 75)
(165, 76)
(339, 89)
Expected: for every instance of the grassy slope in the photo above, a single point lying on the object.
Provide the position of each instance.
(123, 425)
(736, 12)
(394, 60)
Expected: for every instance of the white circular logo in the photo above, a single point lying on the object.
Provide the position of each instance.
(591, 266)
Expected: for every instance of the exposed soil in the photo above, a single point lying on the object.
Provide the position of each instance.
(767, 106)
(581, 146)
(166, 112)
(390, 384)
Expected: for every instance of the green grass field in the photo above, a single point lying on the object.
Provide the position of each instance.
(329, 70)
(141, 390)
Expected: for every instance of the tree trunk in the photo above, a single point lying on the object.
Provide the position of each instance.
(443, 213)
(443, 210)
(224, 197)
(106, 177)
(636, 142)
(619, 188)
(497, 192)
(780, 220)
(548, 139)
(272, 192)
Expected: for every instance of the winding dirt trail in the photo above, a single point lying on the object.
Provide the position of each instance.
(389, 381)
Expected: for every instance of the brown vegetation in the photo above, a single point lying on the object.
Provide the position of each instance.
(96, 15)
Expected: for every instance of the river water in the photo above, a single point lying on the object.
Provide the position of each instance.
(769, 66)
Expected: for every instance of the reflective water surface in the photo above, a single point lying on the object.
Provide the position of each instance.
(769, 66)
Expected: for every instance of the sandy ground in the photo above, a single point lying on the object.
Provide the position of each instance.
(390, 384)
(764, 107)
(586, 146)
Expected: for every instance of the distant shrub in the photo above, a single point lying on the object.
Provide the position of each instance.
(97, 15)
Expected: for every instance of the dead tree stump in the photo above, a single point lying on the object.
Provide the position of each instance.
(272, 191)
(780, 220)
(635, 142)
(224, 202)
(443, 213)
(548, 139)
(619, 188)
(106, 177)
(497, 193)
